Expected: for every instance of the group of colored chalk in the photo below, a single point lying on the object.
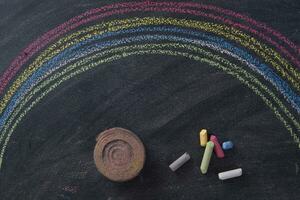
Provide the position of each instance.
(214, 145)
(210, 146)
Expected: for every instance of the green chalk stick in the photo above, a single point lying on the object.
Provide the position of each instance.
(206, 156)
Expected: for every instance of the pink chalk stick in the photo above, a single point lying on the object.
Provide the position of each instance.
(217, 148)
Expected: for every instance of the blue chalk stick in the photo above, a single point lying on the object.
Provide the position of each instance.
(227, 145)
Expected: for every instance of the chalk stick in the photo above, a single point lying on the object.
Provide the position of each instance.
(203, 137)
(179, 162)
(206, 157)
(227, 145)
(230, 174)
(218, 149)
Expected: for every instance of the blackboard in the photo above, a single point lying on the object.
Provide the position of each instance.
(162, 96)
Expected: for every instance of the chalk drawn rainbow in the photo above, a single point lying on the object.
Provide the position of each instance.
(261, 58)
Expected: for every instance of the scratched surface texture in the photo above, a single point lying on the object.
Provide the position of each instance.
(165, 89)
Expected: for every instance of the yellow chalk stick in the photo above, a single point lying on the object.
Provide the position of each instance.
(203, 137)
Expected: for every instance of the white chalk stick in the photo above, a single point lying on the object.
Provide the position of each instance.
(179, 162)
(230, 174)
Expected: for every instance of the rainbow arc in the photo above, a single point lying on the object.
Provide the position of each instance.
(261, 58)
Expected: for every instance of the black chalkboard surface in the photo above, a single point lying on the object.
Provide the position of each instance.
(163, 69)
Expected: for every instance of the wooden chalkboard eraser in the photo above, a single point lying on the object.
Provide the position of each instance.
(119, 154)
